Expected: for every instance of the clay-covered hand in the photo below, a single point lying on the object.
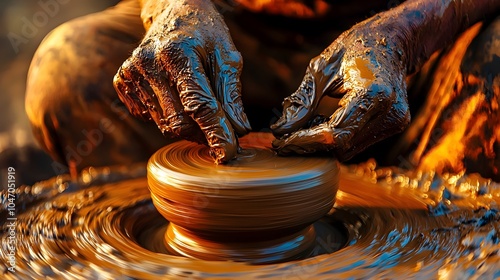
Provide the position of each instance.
(185, 75)
(364, 67)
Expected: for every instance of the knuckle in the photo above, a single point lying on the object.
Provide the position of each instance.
(176, 123)
(238, 56)
(206, 107)
(176, 56)
(178, 45)
(169, 48)
(143, 58)
(229, 61)
(399, 114)
(127, 69)
(119, 83)
(201, 110)
(382, 93)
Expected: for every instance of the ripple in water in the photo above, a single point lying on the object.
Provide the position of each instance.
(385, 224)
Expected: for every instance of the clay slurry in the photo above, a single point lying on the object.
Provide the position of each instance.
(415, 225)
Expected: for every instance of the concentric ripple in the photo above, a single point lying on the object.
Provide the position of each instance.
(264, 190)
(398, 225)
(258, 208)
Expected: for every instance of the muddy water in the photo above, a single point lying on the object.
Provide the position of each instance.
(395, 225)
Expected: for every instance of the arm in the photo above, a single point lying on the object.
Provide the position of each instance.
(151, 10)
(425, 26)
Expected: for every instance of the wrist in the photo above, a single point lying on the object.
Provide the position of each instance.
(151, 10)
(425, 26)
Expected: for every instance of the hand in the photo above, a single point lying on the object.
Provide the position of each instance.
(185, 75)
(364, 67)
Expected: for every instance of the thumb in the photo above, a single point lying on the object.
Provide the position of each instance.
(321, 78)
(299, 107)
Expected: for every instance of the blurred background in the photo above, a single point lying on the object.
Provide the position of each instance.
(23, 25)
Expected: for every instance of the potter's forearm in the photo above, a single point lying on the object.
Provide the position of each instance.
(152, 9)
(429, 25)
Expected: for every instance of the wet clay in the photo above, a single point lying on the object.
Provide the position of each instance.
(235, 211)
(184, 76)
(397, 225)
(366, 67)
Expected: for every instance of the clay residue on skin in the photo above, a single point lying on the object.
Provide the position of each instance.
(360, 72)
(419, 19)
(365, 67)
(185, 74)
(366, 70)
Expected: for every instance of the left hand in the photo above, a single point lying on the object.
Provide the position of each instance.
(185, 76)
(364, 67)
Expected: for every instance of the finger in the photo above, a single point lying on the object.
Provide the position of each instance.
(322, 138)
(307, 141)
(352, 127)
(167, 110)
(298, 107)
(321, 78)
(157, 102)
(127, 94)
(200, 103)
(228, 89)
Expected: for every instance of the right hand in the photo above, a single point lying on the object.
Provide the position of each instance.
(365, 68)
(185, 75)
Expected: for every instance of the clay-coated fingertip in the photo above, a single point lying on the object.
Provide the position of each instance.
(278, 128)
(283, 149)
(277, 145)
(224, 154)
(218, 154)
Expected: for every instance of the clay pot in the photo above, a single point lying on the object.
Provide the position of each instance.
(257, 200)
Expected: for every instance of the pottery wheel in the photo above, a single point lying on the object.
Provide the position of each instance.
(259, 207)
(103, 225)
